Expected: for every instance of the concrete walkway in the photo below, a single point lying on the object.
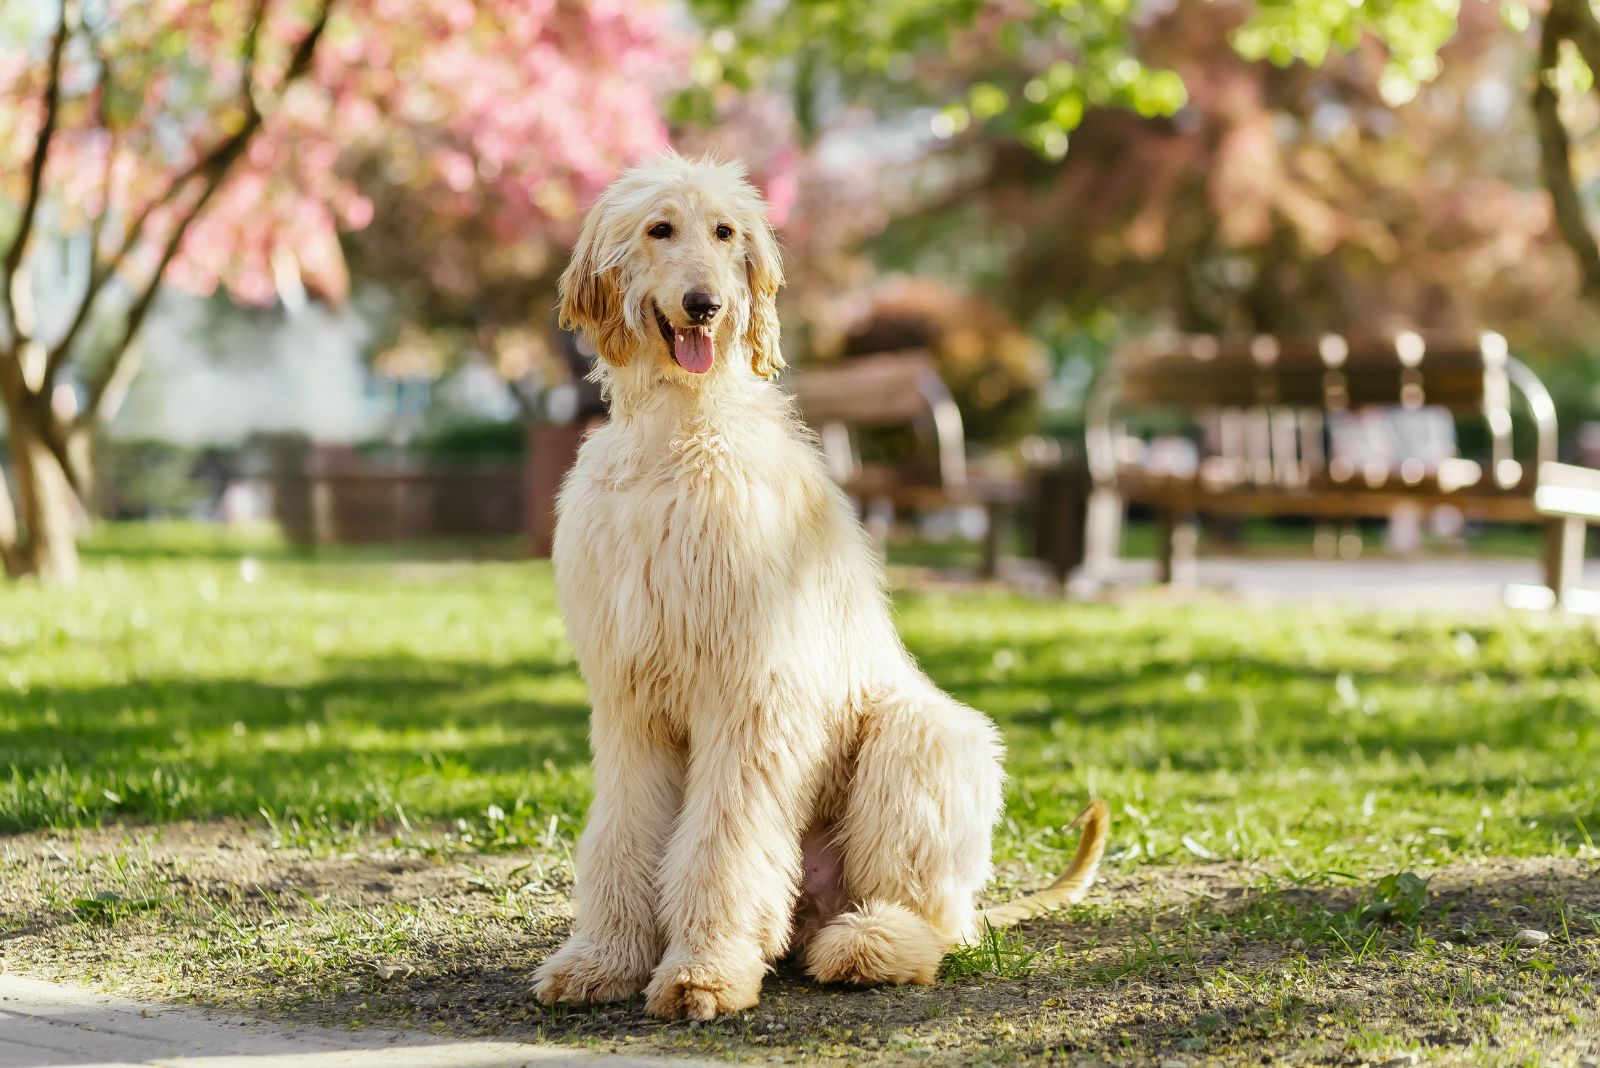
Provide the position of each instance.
(47, 1024)
(1457, 585)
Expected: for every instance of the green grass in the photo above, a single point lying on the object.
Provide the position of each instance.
(369, 693)
(1327, 824)
(326, 698)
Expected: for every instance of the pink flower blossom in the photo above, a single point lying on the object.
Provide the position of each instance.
(496, 106)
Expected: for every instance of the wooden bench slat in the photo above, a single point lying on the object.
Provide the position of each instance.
(1568, 490)
(871, 391)
(1314, 503)
(1461, 384)
(1439, 349)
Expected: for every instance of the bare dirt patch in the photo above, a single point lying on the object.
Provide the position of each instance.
(1204, 963)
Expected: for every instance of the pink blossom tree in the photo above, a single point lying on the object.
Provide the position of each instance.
(229, 143)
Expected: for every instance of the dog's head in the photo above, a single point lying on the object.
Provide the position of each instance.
(677, 270)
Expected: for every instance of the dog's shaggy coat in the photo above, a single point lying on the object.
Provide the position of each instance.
(772, 770)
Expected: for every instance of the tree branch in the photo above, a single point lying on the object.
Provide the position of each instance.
(1577, 24)
(98, 273)
(213, 165)
(113, 377)
(1565, 21)
(10, 550)
(22, 403)
(57, 437)
(41, 153)
(12, 396)
(104, 82)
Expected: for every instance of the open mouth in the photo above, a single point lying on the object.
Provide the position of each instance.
(691, 346)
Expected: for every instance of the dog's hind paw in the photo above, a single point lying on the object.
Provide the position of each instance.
(581, 972)
(878, 942)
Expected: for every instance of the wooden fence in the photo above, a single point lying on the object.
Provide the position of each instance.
(330, 496)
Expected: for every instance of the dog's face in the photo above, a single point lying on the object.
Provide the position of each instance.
(677, 267)
(693, 257)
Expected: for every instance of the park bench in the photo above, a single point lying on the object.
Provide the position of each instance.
(1260, 413)
(899, 390)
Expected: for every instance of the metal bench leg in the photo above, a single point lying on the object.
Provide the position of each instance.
(998, 518)
(1103, 531)
(1325, 541)
(878, 518)
(1179, 537)
(1563, 555)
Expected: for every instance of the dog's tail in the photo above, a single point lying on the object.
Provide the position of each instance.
(1071, 885)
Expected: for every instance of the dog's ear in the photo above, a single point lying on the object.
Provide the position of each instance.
(763, 265)
(591, 298)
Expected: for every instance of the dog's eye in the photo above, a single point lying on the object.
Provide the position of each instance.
(724, 231)
(661, 229)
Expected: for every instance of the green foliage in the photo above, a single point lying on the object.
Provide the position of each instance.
(108, 907)
(994, 954)
(1073, 55)
(142, 478)
(873, 51)
(1400, 896)
(1414, 30)
(466, 441)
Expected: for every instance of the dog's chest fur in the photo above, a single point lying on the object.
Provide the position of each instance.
(677, 543)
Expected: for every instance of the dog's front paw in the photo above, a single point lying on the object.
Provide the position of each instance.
(701, 990)
(582, 971)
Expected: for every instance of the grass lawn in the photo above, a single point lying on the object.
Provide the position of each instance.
(348, 789)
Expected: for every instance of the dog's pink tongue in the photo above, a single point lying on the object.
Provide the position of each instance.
(692, 349)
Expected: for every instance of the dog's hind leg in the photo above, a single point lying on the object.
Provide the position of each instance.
(916, 838)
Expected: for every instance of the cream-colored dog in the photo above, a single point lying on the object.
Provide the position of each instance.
(772, 770)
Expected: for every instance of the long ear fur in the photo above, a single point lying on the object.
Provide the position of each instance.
(591, 296)
(764, 272)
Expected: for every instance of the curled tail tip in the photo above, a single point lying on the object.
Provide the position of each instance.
(1072, 885)
(1095, 811)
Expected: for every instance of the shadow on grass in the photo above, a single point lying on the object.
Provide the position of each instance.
(349, 746)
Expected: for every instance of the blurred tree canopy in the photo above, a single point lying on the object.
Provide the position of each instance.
(1280, 200)
(1063, 56)
(232, 143)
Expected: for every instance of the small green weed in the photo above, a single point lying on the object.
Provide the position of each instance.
(997, 954)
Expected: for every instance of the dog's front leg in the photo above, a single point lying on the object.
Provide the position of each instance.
(732, 868)
(616, 940)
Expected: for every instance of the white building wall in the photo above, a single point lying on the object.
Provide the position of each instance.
(213, 375)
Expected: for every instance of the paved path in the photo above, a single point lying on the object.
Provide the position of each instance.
(1471, 585)
(46, 1024)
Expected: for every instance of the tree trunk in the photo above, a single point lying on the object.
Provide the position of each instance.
(47, 548)
(10, 561)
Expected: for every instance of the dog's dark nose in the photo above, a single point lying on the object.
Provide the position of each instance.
(701, 306)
